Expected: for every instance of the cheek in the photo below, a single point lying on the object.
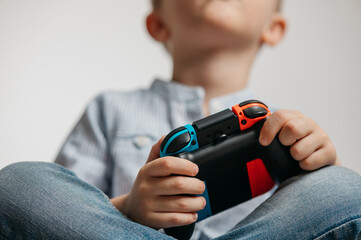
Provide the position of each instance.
(256, 17)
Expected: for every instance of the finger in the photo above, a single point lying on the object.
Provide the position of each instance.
(274, 124)
(306, 146)
(171, 219)
(167, 166)
(180, 204)
(295, 129)
(155, 151)
(322, 157)
(175, 185)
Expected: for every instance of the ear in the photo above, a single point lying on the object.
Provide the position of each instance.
(156, 27)
(275, 31)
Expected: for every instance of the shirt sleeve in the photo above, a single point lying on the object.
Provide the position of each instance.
(86, 150)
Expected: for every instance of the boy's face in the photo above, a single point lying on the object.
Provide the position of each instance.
(215, 23)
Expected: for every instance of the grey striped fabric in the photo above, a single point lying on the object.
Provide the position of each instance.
(113, 138)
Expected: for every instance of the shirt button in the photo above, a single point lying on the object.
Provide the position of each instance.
(141, 141)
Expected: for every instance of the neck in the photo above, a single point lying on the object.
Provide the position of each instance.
(218, 72)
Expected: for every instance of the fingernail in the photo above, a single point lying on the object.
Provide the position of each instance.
(195, 170)
(204, 203)
(195, 216)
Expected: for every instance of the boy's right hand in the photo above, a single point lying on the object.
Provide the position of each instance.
(158, 199)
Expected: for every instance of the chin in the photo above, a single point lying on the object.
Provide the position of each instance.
(223, 16)
(224, 30)
(219, 40)
(218, 24)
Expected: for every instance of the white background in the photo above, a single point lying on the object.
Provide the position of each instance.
(57, 55)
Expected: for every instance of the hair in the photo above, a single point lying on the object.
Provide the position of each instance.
(156, 4)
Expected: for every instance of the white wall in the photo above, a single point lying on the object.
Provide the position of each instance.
(56, 55)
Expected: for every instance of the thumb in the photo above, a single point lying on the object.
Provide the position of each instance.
(155, 151)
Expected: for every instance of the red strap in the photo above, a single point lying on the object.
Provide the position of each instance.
(259, 178)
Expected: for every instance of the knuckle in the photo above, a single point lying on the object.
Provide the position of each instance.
(292, 127)
(297, 152)
(182, 204)
(179, 184)
(176, 219)
(307, 165)
(143, 188)
(324, 136)
(166, 163)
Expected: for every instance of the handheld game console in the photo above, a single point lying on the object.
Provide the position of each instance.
(232, 163)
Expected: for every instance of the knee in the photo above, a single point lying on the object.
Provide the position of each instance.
(15, 182)
(21, 183)
(335, 189)
(23, 177)
(25, 172)
(333, 179)
(10, 175)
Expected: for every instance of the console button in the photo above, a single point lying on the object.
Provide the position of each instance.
(220, 137)
(242, 104)
(179, 142)
(171, 134)
(255, 112)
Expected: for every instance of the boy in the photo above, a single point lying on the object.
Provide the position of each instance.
(213, 44)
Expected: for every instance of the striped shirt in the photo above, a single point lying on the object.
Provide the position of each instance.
(113, 138)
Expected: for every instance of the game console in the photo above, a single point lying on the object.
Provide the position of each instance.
(233, 165)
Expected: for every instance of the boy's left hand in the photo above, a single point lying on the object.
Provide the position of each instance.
(310, 144)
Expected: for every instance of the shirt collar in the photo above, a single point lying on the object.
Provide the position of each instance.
(227, 101)
(177, 91)
(180, 92)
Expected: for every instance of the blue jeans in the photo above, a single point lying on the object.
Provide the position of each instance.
(46, 201)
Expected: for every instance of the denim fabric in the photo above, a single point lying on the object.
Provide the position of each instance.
(47, 201)
(325, 204)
